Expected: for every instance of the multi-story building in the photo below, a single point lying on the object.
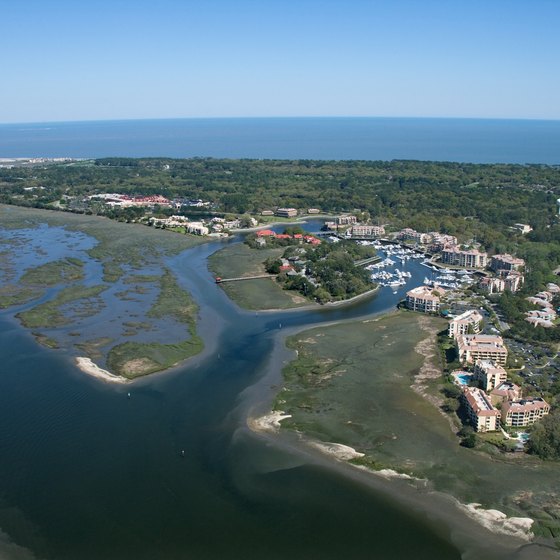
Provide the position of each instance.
(440, 241)
(409, 234)
(524, 412)
(471, 258)
(362, 230)
(505, 391)
(473, 347)
(492, 285)
(286, 212)
(346, 220)
(480, 411)
(424, 299)
(506, 262)
(489, 374)
(513, 280)
(468, 322)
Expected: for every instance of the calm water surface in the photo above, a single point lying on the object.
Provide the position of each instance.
(86, 473)
(462, 140)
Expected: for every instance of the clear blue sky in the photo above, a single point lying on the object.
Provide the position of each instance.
(120, 59)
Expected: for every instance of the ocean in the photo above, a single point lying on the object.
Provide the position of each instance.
(344, 138)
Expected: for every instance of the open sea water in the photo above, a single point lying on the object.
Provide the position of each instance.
(460, 140)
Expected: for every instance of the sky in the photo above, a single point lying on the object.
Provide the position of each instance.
(68, 60)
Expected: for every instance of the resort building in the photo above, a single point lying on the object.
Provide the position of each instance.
(267, 213)
(313, 211)
(440, 241)
(360, 230)
(489, 375)
(513, 280)
(424, 299)
(472, 258)
(524, 412)
(492, 285)
(409, 234)
(286, 212)
(198, 228)
(480, 411)
(473, 347)
(346, 220)
(505, 391)
(506, 262)
(468, 322)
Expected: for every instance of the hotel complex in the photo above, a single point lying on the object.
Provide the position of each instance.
(473, 347)
(468, 322)
(482, 415)
(424, 299)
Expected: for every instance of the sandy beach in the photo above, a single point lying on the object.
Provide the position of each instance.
(87, 366)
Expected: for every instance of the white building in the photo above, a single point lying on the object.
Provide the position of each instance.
(468, 322)
(424, 299)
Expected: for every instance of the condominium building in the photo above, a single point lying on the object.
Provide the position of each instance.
(489, 374)
(286, 212)
(346, 220)
(473, 347)
(480, 411)
(361, 230)
(472, 258)
(524, 412)
(513, 280)
(506, 262)
(424, 299)
(468, 322)
(492, 285)
(409, 234)
(505, 391)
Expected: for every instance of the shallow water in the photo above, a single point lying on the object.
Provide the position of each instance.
(88, 473)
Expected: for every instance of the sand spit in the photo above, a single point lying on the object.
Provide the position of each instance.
(87, 366)
(337, 450)
(267, 423)
(498, 522)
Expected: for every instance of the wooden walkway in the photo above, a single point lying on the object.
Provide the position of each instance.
(222, 280)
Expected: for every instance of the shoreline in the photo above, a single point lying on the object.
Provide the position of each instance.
(93, 370)
(512, 535)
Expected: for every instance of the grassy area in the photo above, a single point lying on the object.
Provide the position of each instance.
(239, 260)
(53, 273)
(11, 294)
(49, 314)
(173, 301)
(351, 384)
(133, 359)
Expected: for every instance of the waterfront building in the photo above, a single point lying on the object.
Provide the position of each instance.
(505, 391)
(313, 211)
(424, 299)
(480, 411)
(506, 262)
(524, 412)
(346, 220)
(440, 241)
(471, 258)
(363, 230)
(409, 234)
(267, 213)
(473, 347)
(286, 212)
(489, 374)
(468, 322)
(197, 228)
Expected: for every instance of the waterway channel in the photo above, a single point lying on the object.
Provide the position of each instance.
(87, 473)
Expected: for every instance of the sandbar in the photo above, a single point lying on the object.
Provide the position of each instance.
(87, 366)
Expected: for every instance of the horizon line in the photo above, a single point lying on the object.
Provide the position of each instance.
(276, 117)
